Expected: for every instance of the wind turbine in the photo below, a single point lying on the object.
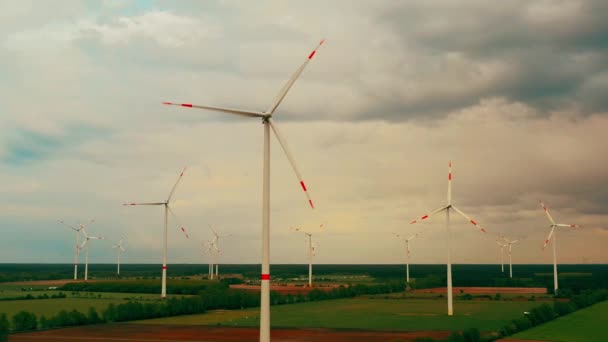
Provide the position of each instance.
(553, 234)
(216, 244)
(510, 243)
(77, 229)
(447, 208)
(119, 249)
(208, 246)
(163, 293)
(406, 241)
(85, 243)
(502, 244)
(268, 123)
(311, 253)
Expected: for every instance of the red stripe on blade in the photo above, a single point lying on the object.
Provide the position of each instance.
(450, 176)
(412, 222)
(265, 277)
(303, 185)
(483, 230)
(312, 54)
(473, 222)
(311, 205)
(424, 217)
(186, 105)
(167, 103)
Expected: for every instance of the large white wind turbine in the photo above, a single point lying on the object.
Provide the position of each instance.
(216, 244)
(553, 234)
(163, 293)
(510, 244)
(447, 208)
(77, 229)
(502, 244)
(86, 244)
(311, 253)
(119, 250)
(268, 123)
(406, 242)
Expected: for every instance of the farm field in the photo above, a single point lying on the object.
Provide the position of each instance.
(175, 333)
(49, 307)
(588, 324)
(370, 314)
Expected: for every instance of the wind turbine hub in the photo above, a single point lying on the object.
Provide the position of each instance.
(266, 117)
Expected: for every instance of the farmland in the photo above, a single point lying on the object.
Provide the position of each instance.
(588, 324)
(370, 314)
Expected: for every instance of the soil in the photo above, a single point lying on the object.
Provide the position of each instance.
(175, 333)
(486, 290)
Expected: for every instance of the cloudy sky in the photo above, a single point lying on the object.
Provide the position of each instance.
(513, 93)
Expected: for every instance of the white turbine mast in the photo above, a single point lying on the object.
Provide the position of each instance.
(509, 243)
(86, 244)
(119, 250)
(208, 247)
(216, 245)
(447, 208)
(77, 230)
(168, 210)
(502, 244)
(553, 234)
(311, 250)
(406, 243)
(268, 123)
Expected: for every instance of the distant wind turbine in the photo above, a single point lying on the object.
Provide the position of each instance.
(84, 244)
(406, 242)
(208, 247)
(163, 292)
(216, 244)
(77, 229)
(311, 252)
(119, 250)
(268, 123)
(502, 244)
(447, 208)
(553, 234)
(510, 244)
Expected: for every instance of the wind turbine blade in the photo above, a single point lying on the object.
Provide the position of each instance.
(292, 80)
(450, 182)
(413, 237)
(68, 225)
(181, 227)
(83, 243)
(292, 161)
(569, 225)
(546, 211)
(122, 249)
(156, 203)
(213, 230)
(548, 237)
(247, 113)
(514, 242)
(96, 237)
(424, 217)
(175, 185)
(469, 219)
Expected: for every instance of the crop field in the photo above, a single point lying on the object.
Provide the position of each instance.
(49, 307)
(370, 314)
(588, 324)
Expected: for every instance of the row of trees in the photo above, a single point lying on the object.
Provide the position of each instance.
(41, 296)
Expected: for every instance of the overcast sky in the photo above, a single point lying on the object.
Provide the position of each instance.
(514, 93)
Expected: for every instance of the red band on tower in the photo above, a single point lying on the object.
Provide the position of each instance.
(164, 267)
(265, 277)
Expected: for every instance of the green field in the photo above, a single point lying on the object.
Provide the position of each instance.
(50, 307)
(371, 314)
(588, 324)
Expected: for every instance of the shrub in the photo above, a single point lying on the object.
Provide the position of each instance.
(4, 328)
(23, 321)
